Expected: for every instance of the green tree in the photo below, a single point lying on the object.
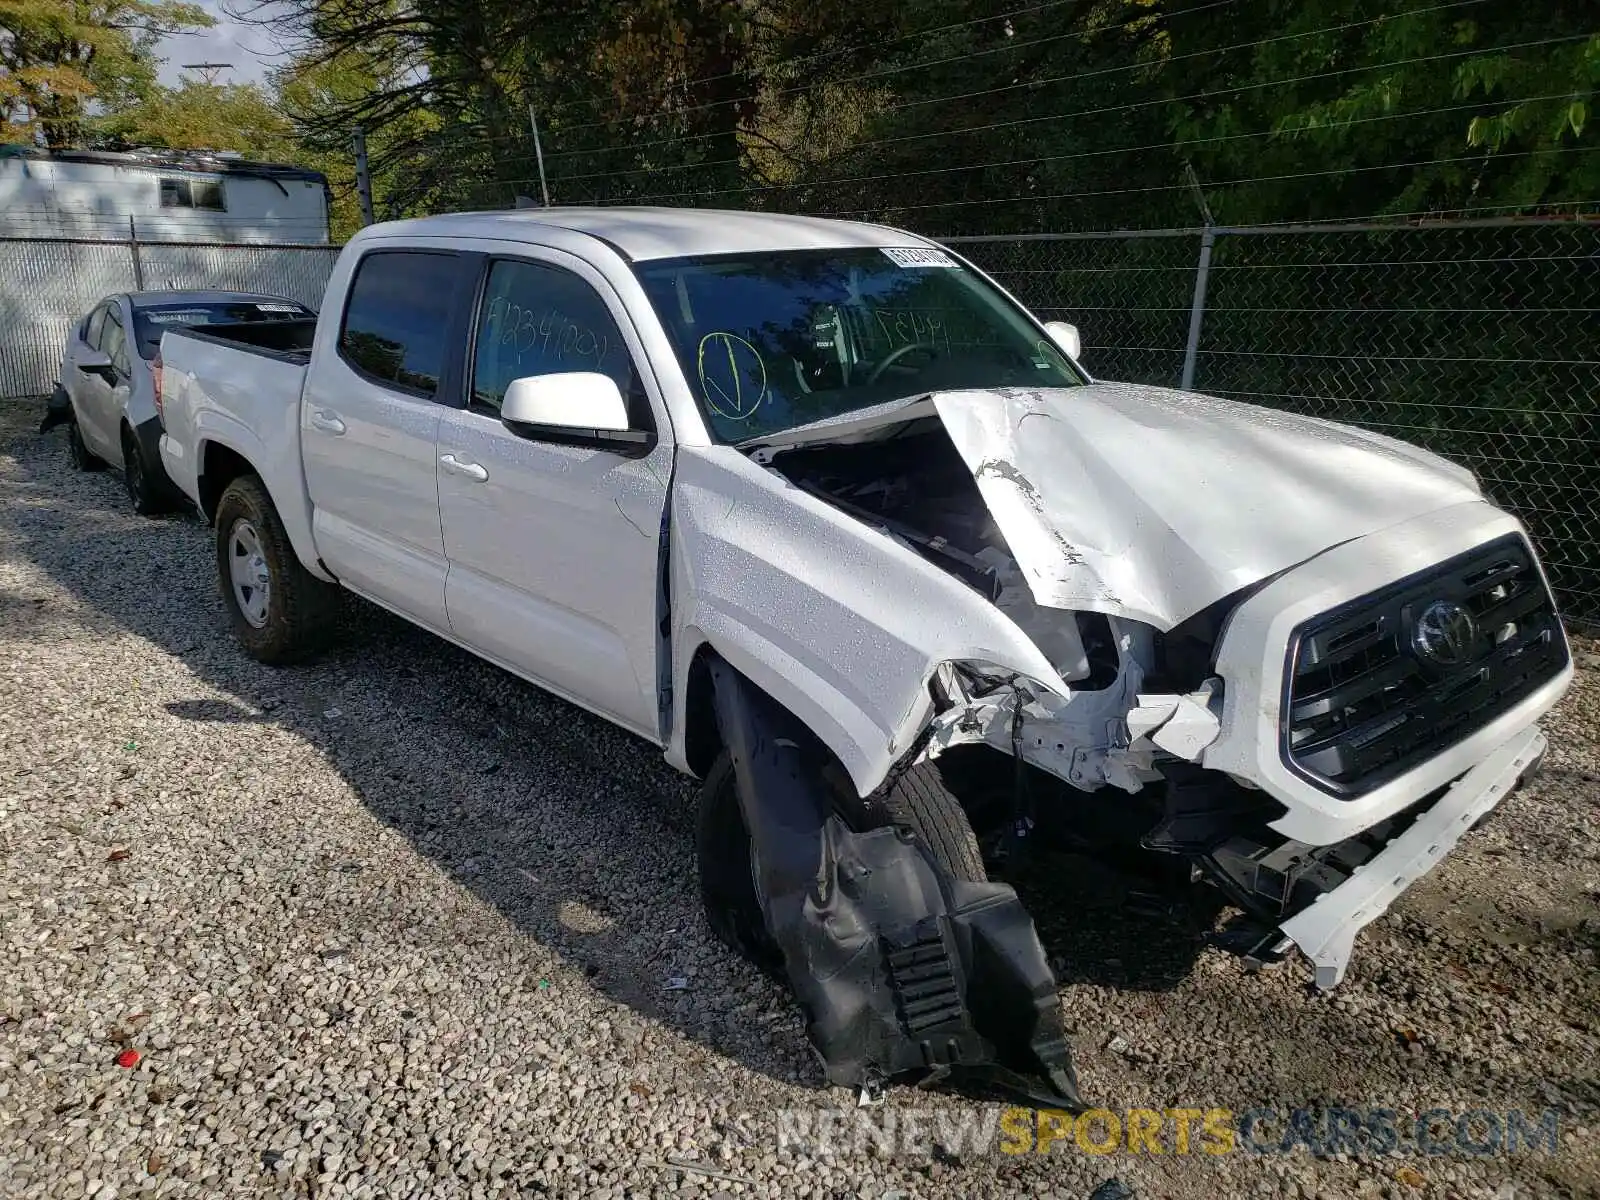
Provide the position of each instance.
(207, 116)
(1355, 108)
(60, 59)
(317, 95)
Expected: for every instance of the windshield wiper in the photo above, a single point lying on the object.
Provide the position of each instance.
(829, 427)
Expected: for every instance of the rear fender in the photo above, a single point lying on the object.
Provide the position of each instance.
(281, 473)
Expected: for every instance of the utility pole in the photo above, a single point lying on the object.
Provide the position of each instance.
(363, 176)
(208, 71)
(538, 151)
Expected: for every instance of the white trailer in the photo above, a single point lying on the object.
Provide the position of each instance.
(159, 196)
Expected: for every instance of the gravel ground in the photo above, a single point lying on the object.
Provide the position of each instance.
(395, 924)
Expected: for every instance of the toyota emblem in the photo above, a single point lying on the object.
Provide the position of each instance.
(1444, 634)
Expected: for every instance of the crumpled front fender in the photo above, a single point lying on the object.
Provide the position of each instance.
(834, 619)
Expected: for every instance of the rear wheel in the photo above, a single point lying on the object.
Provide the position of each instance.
(281, 612)
(916, 800)
(83, 459)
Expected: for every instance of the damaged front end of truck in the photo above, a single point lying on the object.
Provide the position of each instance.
(1160, 622)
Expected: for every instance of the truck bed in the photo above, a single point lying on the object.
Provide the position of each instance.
(289, 341)
(239, 385)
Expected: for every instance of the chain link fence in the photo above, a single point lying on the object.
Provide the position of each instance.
(1480, 341)
(46, 284)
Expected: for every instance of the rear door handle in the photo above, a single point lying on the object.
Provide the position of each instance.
(327, 422)
(470, 469)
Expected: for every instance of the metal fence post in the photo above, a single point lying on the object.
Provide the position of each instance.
(1197, 309)
(538, 149)
(133, 251)
(363, 176)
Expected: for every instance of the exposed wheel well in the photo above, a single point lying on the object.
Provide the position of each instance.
(219, 466)
(702, 740)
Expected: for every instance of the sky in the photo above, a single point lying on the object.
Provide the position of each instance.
(247, 49)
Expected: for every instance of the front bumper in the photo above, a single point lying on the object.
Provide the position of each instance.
(1326, 930)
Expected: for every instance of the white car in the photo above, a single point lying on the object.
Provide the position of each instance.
(109, 386)
(821, 511)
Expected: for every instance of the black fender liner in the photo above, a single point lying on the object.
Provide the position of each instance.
(898, 967)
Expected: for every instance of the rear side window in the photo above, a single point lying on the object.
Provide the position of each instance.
(398, 317)
(96, 325)
(116, 343)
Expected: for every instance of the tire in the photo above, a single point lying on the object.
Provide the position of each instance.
(727, 877)
(294, 618)
(83, 459)
(916, 800)
(144, 489)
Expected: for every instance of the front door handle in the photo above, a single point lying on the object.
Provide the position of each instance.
(327, 422)
(469, 469)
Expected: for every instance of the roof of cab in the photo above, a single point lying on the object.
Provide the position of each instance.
(642, 234)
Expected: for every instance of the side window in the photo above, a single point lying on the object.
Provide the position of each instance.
(95, 326)
(398, 316)
(208, 193)
(541, 320)
(175, 194)
(116, 342)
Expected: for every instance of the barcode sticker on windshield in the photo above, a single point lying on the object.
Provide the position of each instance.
(286, 308)
(918, 256)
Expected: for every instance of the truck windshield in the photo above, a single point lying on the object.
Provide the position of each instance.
(776, 340)
(149, 323)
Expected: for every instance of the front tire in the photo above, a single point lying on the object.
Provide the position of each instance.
(916, 800)
(83, 459)
(281, 613)
(144, 489)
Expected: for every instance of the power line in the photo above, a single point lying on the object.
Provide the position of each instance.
(868, 75)
(1348, 25)
(804, 60)
(1346, 170)
(1076, 155)
(1085, 112)
(1230, 90)
(1025, 121)
(1286, 37)
(932, 62)
(1114, 108)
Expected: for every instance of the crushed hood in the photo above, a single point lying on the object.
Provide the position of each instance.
(1151, 504)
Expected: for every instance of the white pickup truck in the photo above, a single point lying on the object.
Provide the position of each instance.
(823, 512)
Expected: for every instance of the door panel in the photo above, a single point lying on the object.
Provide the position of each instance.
(554, 547)
(554, 560)
(369, 421)
(369, 470)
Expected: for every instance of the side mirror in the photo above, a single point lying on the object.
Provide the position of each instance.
(582, 406)
(1066, 337)
(97, 362)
